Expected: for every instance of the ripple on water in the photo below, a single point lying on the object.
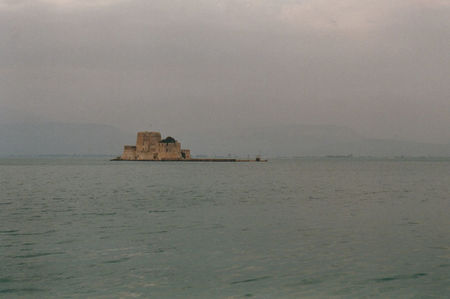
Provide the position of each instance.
(5, 279)
(33, 234)
(250, 280)
(99, 214)
(22, 290)
(26, 256)
(115, 261)
(400, 277)
(306, 281)
(152, 233)
(11, 231)
(66, 241)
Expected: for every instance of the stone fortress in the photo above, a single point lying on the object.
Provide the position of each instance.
(150, 147)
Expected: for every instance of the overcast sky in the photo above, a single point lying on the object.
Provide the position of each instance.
(381, 67)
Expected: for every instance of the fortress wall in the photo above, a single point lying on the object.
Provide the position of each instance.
(147, 156)
(129, 152)
(169, 151)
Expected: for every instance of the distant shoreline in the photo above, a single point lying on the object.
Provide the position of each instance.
(203, 159)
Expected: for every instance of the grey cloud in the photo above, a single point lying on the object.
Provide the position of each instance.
(172, 65)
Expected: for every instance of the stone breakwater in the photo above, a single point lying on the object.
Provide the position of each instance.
(197, 160)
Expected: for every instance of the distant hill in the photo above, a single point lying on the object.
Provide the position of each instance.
(303, 140)
(55, 138)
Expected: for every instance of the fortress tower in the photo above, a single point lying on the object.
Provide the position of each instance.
(147, 141)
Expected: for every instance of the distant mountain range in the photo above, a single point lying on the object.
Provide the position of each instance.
(305, 140)
(54, 138)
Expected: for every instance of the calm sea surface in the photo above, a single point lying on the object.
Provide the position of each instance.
(282, 229)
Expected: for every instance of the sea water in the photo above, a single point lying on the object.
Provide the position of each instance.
(282, 229)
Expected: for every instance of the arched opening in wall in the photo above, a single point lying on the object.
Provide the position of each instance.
(183, 155)
(155, 156)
